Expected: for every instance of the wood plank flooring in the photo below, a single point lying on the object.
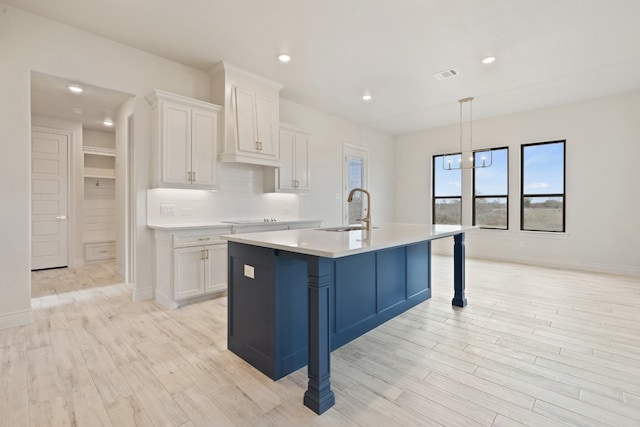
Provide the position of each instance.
(535, 346)
(61, 280)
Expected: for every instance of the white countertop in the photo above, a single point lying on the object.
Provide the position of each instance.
(334, 244)
(201, 225)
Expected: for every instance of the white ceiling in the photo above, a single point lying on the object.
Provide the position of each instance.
(50, 96)
(549, 52)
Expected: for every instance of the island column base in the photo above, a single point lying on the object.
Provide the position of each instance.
(319, 397)
(459, 298)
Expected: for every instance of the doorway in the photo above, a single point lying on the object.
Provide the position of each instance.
(96, 205)
(355, 174)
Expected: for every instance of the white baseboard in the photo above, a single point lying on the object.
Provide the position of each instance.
(142, 294)
(17, 318)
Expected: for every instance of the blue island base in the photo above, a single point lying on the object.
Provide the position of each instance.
(273, 293)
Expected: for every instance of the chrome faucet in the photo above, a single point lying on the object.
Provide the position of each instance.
(367, 218)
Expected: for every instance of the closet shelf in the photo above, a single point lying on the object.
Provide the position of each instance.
(99, 151)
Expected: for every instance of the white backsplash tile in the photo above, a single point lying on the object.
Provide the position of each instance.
(240, 196)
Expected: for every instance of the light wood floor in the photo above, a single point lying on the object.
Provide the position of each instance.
(533, 347)
(62, 280)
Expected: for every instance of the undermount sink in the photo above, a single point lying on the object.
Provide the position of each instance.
(346, 228)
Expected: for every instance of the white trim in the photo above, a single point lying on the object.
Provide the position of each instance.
(141, 294)
(544, 234)
(17, 318)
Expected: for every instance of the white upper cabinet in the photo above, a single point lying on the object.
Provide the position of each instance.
(186, 132)
(293, 173)
(251, 115)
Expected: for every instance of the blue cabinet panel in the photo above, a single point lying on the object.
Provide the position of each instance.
(355, 290)
(251, 334)
(391, 277)
(291, 315)
(418, 269)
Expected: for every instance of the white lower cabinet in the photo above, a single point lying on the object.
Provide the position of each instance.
(190, 265)
(199, 270)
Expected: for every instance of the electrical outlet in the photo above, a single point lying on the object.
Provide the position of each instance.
(167, 210)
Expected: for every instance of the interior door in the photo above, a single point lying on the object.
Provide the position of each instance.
(355, 174)
(49, 192)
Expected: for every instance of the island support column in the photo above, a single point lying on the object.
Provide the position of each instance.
(459, 298)
(319, 397)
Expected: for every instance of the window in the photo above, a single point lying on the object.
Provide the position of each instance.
(542, 207)
(491, 190)
(447, 192)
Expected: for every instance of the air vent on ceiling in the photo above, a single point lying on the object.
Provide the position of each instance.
(445, 74)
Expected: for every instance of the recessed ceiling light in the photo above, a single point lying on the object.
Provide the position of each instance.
(366, 97)
(488, 59)
(108, 122)
(284, 57)
(75, 89)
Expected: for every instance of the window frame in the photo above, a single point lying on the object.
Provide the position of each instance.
(473, 191)
(434, 198)
(563, 195)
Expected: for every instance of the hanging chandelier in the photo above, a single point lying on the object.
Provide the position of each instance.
(467, 158)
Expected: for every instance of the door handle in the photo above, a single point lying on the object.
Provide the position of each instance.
(61, 217)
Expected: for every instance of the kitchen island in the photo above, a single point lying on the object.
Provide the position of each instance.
(294, 296)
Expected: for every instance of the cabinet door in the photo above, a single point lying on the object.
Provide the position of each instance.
(176, 143)
(204, 136)
(188, 272)
(264, 125)
(301, 161)
(215, 268)
(287, 160)
(246, 116)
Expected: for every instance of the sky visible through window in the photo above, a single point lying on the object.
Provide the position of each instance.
(492, 180)
(543, 173)
(544, 169)
(447, 182)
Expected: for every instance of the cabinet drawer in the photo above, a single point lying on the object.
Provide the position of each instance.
(198, 240)
(99, 251)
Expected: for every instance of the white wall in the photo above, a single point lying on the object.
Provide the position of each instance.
(329, 133)
(602, 205)
(28, 42)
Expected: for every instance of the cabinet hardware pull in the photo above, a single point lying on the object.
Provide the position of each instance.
(207, 256)
(260, 145)
(204, 238)
(194, 176)
(189, 176)
(202, 255)
(257, 145)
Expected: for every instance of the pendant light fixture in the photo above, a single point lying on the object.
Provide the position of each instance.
(466, 158)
